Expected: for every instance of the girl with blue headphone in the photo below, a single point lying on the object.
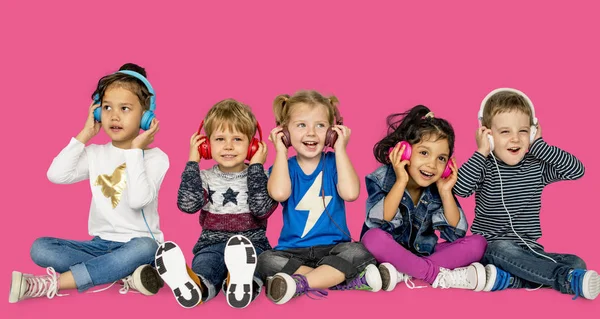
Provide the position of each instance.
(125, 177)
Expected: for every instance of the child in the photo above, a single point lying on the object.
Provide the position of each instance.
(410, 197)
(125, 177)
(508, 172)
(314, 250)
(234, 203)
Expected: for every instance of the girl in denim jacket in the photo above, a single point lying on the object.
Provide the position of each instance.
(410, 197)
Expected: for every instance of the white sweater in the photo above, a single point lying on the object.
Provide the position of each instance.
(122, 183)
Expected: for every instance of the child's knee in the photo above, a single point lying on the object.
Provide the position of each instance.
(145, 248)
(42, 254)
(372, 236)
(269, 263)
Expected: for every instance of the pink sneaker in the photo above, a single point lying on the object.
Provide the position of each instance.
(26, 286)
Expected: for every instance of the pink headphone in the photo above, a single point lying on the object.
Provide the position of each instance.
(408, 152)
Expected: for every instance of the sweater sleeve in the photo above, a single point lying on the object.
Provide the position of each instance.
(191, 196)
(260, 203)
(70, 165)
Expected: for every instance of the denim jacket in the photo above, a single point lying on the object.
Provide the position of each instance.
(424, 218)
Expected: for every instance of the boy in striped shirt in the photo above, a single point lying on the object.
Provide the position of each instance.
(507, 173)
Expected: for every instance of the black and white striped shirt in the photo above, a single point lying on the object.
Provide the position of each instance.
(522, 186)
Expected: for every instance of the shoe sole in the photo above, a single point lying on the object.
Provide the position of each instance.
(373, 278)
(171, 266)
(480, 276)
(288, 294)
(149, 278)
(490, 277)
(15, 287)
(389, 279)
(591, 285)
(240, 260)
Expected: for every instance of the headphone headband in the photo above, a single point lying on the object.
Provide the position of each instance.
(257, 127)
(487, 97)
(146, 83)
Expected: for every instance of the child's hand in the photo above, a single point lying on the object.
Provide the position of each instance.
(399, 165)
(143, 140)
(343, 137)
(445, 185)
(276, 137)
(91, 127)
(483, 144)
(195, 142)
(538, 133)
(261, 154)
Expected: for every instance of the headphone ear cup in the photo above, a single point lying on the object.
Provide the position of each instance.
(532, 134)
(252, 148)
(98, 114)
(286, 137)
(407, 151)
(447, 171)
(146, 121)
(491, 140)
(204, 150)
(98, 110)
(330, 137)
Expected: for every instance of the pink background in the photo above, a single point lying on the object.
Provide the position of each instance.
(376, 57)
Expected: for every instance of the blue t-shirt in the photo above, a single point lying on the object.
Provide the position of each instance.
(305, 222)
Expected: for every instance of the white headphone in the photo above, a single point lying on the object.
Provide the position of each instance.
(533, 129)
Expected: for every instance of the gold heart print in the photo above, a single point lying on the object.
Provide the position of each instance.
(113, 185)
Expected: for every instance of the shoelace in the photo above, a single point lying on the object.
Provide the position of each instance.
(128, 284)
(576, 279)
(38, 286)
(408, 281)
(354, 284)
(453, 278)
(303, 288)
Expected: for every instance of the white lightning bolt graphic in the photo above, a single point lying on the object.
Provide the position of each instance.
(313, 203)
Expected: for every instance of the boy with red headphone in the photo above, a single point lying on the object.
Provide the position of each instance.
(234, 206)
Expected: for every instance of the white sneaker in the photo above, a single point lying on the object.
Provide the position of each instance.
(390, 277)
(144, 279)
(240, 260)
(471, 277)
(584, 283)
(24, 286)
(171, 266)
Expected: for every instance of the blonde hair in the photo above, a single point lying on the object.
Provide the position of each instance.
(284, 105)
(230, 115)
(503, 102)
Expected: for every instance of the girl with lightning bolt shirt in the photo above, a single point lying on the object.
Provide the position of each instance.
(315, 251)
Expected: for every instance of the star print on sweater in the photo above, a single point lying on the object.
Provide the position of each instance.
(230, 196)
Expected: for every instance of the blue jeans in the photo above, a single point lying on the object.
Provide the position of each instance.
(529, 269)
(209, 265)
(93, 262)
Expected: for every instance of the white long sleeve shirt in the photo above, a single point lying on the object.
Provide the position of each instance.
(123, 183)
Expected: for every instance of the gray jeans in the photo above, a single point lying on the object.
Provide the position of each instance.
(349, 258)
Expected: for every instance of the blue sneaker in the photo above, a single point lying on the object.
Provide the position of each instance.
(496, 278)
(584, 283)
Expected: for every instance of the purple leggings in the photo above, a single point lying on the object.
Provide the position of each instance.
(450, 255)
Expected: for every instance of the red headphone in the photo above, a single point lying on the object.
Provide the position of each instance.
(204, 148)
(330, 136)
(408, 152)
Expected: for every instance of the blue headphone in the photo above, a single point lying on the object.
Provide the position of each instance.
(148, 116)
